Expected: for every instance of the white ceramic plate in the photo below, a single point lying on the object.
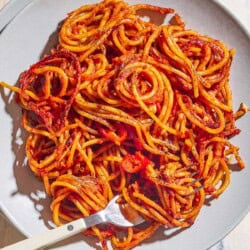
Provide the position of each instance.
(22, 196)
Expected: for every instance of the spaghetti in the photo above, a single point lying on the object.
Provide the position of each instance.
(125, 106)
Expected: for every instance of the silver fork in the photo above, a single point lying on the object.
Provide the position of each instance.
(123, 216)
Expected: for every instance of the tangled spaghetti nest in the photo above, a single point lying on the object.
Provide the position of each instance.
(125, 106)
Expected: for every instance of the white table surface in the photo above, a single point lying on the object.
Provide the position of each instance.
(239, 238)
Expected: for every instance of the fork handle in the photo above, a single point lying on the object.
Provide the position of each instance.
(57, 234)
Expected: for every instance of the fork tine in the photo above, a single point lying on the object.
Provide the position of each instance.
(121, 214)
(194, 173)
(196, 190)
(188, 167)
(194, 181)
